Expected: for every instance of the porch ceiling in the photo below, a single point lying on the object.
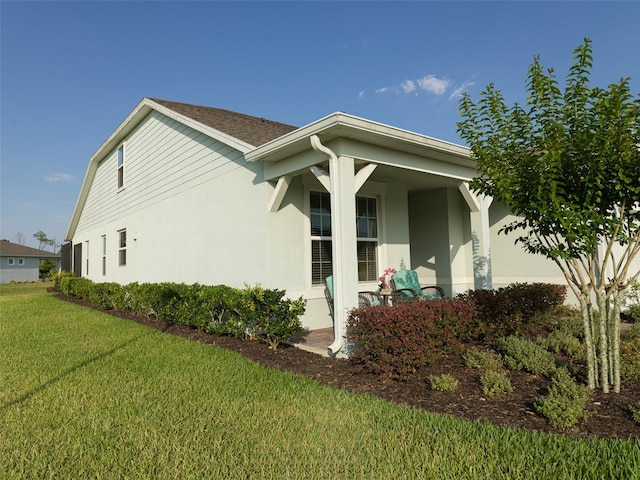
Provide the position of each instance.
(415, 181)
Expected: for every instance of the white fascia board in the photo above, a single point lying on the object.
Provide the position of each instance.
(355, 127)
(141, 110)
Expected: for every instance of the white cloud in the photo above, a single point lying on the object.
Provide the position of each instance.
(457, 93)
(58, 177)
(408, 86)
(361, 94)
(428, 83)
(433, 84)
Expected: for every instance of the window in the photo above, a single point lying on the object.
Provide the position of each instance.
(11, 261)
(86, 246)
(122, 247)
(366, 231)
(321, 252)
(121, 166)
(21, 261)
(104, 255)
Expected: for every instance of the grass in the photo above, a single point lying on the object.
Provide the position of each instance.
(87, 395)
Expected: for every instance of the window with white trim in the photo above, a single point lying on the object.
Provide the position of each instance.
(321, 236)
(104, 254)
(11, 261)
(21, 261)
(122, 247)
(86, 247)
(121, 166)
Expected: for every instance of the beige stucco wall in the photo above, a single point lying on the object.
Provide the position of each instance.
(510, 262)
(441, 247)
(191, 206)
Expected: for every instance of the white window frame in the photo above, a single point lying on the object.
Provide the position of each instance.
(120, 161)
(319, 238)
(21, 262)
(122, 247)
(104, 254)
(86, 263)
(11, 261)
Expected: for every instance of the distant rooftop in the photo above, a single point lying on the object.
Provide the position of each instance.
(9, 249)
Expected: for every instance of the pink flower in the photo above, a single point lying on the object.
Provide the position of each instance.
(386, 277)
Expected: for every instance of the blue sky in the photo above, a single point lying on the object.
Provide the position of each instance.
(72, 71)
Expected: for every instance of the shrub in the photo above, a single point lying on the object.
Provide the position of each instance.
(522, 354)
(633, 313)
(562, 341)
(635, 412)
(570, 322)
(219, 310)
(495, 384)
(633, 295)
(483, 359)
(61, 282)
(519, 308)
(565, 403)
(253, 312)
(396, 341)
(443, 383)
(109, 296)
(270, 316)
(630, 354)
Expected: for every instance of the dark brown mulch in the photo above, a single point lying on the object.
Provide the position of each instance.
(609, 415)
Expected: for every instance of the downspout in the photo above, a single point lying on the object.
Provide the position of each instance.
(336, 346)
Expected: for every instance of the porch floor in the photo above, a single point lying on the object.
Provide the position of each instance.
(315, 341)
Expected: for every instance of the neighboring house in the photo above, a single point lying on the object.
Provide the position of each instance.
(22, 264)
(187, 193)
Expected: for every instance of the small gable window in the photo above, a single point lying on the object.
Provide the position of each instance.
(121, 166)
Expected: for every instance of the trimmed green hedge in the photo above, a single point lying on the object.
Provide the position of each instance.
(252, 312)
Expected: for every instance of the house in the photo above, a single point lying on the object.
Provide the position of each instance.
(22, 264)
(187, 193)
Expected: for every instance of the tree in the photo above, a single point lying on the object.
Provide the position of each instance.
(20, 240)
(47, 269)
(44, 241)
(568, 164)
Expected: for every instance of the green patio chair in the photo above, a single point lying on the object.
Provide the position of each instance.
(365, 299)
(406, 287)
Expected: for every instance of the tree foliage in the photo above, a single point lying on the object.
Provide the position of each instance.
(568, 164)
(44, 241)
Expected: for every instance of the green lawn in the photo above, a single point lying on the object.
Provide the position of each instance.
(87, 395)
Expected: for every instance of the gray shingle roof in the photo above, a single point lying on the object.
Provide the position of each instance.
(252, 130)
(9, 249)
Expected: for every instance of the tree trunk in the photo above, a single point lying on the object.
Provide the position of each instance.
(604, 344)
(614, 323)
(585, 309)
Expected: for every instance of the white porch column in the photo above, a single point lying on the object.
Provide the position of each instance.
(342, 190)
(344, 243)
(480, 237)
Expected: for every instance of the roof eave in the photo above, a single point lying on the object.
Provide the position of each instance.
(346, 125)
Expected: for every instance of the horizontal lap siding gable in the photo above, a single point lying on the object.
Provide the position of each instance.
(163, 158)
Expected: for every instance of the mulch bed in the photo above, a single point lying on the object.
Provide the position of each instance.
(609, 415)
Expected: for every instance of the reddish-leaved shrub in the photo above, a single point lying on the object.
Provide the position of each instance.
(516, 309)
(397, 340)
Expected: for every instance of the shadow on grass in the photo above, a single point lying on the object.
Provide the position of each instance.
(68, 372)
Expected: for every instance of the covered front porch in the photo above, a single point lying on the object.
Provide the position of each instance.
(424, 216)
